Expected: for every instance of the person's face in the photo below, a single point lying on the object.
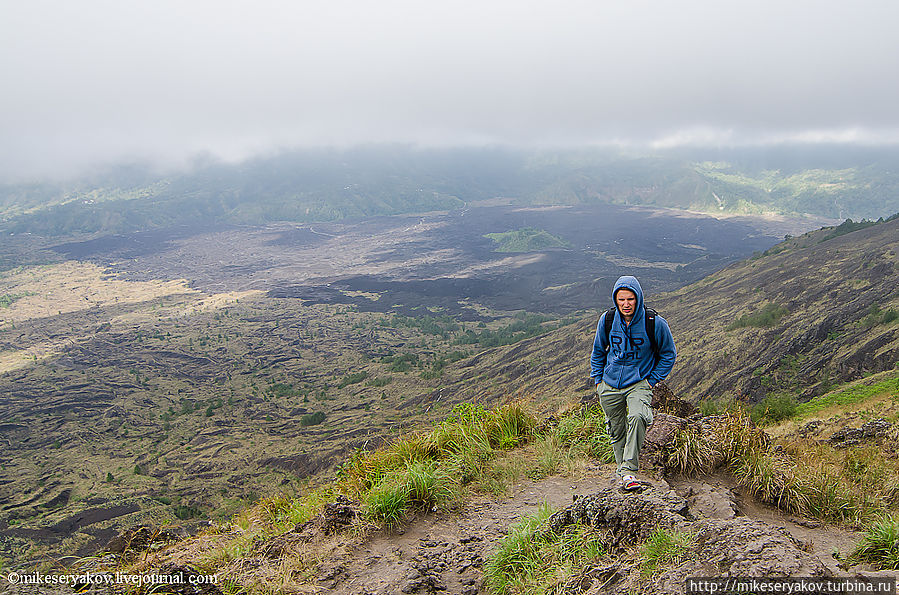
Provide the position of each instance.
(626, 300)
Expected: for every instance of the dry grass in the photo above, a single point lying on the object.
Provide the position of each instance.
(851, 486)
(257, 549)
(690, 454)
(492, 450)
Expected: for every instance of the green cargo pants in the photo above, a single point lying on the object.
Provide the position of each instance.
(628, 413)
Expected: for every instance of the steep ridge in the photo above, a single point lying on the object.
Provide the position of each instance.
(834, 295)
(830, 304)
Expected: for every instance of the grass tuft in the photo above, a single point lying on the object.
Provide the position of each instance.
(662, 548)
(586, 429)
(388, 502)
(518, 557)
(880, 545)
(771, 479)
(529, 560)
(414, 447)
(690, 454)
(709, 407)
(509, 426)
(773, 409)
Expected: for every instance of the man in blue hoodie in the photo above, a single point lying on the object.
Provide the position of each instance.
(625, 368)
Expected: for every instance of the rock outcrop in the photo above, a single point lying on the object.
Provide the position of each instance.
(729, 546)
(846, 437)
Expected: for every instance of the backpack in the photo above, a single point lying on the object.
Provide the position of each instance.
(649, 320)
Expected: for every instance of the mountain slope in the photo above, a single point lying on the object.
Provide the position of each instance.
(260, 366)
(831, 303)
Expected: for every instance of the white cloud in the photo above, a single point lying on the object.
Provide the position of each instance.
(102, 80)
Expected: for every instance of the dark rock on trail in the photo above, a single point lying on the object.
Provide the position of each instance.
(626, 517)
(335, 517)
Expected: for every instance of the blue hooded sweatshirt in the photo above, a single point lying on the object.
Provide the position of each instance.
(629, 358)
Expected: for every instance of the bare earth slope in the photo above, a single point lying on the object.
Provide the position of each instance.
(731, 534)
(825, 335)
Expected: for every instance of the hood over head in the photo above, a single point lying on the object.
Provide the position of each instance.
(629, 282)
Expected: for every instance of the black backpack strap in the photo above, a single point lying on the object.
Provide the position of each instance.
(609, 319)
(650, 321)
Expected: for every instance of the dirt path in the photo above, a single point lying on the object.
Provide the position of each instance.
(719, 496)
(445, 552)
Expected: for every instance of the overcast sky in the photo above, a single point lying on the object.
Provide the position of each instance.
(88, 81)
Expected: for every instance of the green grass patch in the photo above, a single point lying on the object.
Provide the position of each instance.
(768, 316)
(719, 406)
(441, 326)
(387, 503)
(662, 548)
(185, 512)
(848, 226)
(848, 396)
(281, 389)
(354, 378)
(518, 559)
(880, 545)
(402, 362)
(531, 561)
(7, 299)
(586, 430)
(527, 325)
(424, 470)
(527, 239)
(877, 315)
(312, 419)
(774, 408)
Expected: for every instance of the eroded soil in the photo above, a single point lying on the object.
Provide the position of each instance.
(445, 553)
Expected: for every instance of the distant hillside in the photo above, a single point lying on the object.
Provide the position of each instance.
(128, 401)
(302, 186)
(813, 311)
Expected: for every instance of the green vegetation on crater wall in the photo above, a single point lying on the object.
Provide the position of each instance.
(7, 299)
(527, 325)
(527, 239)
(769, 315)
(877, 315)
(847, 396)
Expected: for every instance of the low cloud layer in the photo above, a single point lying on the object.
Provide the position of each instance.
(94, 81)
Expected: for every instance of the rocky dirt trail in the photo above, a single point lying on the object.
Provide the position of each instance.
(445, 552)
(734, 534)
(720, 497)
